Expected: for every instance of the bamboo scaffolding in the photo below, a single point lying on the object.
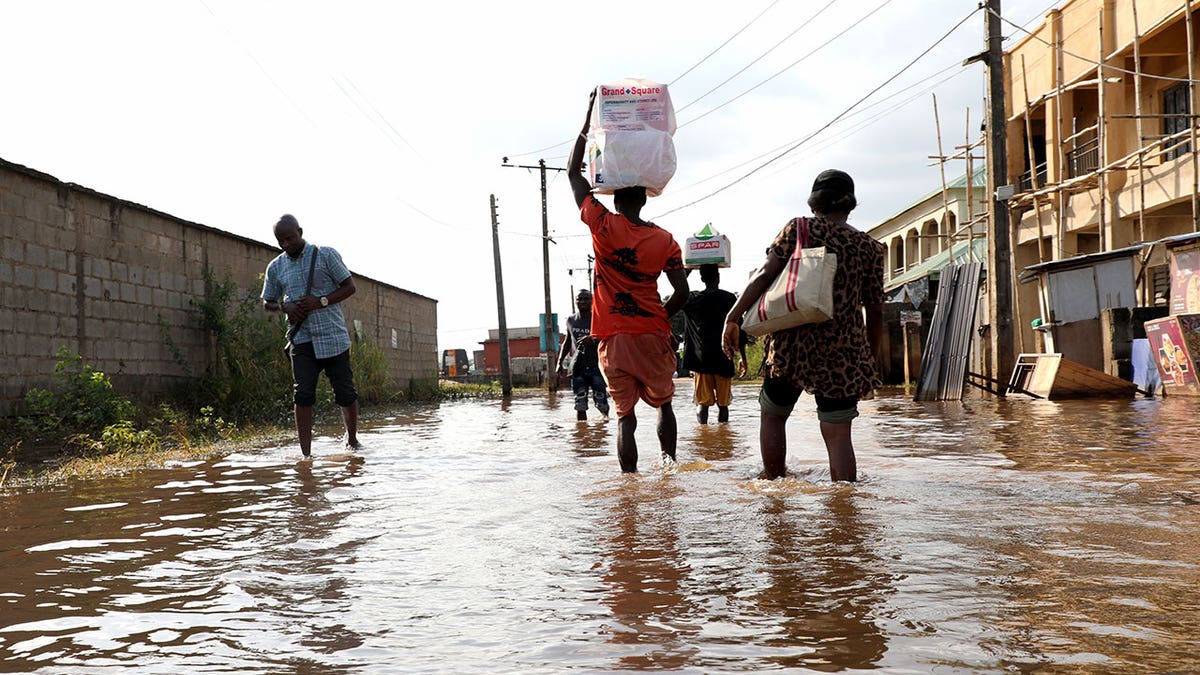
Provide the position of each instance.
(1140, 122)
(943, 222)
(1191, 61)
(1033, 170)
(1102, 135)
(1060, 230)
(1127, 162)
(970, 190)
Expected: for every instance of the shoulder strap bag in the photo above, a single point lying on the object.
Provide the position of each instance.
(294, 328)
(802, 293)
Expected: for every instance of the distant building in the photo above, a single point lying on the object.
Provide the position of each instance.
(926, 235)
(523, 352)
(934, 231)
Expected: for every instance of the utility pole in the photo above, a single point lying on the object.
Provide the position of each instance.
(572, 270)
(547, 329)
(505, 372)
(571, 273)
(999, 262)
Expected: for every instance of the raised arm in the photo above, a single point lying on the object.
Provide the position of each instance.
(579, 183)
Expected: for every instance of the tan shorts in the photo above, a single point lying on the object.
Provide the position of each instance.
(638, 366)
(713, 390)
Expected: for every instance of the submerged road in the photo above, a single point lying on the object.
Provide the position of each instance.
(490, 537)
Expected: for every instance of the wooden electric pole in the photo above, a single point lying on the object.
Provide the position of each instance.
(548, 327)
(505, 371)
(999, 270)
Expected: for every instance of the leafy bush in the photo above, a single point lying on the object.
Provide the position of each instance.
(250, 377)
(84, 402)
(371, 377)
(124, 437)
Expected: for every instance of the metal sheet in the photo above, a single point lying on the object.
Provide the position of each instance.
(947, 352)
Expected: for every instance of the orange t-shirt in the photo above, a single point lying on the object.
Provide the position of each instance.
(629, 259)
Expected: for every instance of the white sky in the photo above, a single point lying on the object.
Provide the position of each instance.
(381, 125)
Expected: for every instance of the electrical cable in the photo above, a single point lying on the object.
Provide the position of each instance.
(847, 133)
(259, 64)
(722, 45)
(795, 63)
(760, 57)
(369, 118)
(382, 117)
(1090, 61)
(831, 122)
(957, 65)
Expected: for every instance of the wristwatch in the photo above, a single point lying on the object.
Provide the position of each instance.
(324, 301)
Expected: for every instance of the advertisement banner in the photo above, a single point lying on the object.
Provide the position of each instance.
(1176, 368)
(1185, 282)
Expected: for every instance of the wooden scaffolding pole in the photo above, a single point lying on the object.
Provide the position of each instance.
(1033, 170)
(1191, 62)
(1101, 135)
(1137, 105)
(1060, 212)
(970, 191)
(943, 224)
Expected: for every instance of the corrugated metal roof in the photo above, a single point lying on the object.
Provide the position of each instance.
(1029, 273)
(1180, 240)
(956, 255)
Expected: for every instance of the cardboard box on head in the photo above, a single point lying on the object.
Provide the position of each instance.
(630, 137)
(707, 247)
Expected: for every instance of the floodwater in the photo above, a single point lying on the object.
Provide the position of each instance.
(483, 537)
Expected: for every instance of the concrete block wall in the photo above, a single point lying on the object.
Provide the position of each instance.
(111, 279)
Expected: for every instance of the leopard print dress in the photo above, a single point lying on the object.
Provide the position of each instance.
(831, 359)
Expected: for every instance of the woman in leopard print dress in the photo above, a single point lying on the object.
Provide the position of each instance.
(834, 360)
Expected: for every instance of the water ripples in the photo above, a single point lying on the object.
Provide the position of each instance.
(500, 537)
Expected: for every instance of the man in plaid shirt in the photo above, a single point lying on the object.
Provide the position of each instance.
(322, 342)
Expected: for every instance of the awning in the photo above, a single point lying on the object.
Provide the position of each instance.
(1030, 273)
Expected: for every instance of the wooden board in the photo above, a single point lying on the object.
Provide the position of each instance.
(1055, 377)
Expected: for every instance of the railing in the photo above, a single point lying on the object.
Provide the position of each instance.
(1084, 158)
(1025, 182)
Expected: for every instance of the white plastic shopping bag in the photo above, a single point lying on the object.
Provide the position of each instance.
(630, 136)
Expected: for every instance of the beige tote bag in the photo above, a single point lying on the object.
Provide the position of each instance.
(802, 293)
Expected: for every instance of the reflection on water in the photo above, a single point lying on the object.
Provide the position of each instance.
(500, 537)
(824, 588)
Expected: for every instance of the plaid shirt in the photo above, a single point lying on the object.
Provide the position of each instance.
(285, 281)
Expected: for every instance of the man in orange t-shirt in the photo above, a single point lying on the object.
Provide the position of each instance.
(637, 351)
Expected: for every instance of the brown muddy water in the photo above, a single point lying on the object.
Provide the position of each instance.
(481, 537)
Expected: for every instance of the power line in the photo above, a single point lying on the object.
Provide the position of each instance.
(795, 63)
(831, 122)
(957, 65)
(368, 116)
(1091, 61)
(756, 60)
(681, 75)
(382, 117)
(722, 45)
(847, 133)
(262, 69)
